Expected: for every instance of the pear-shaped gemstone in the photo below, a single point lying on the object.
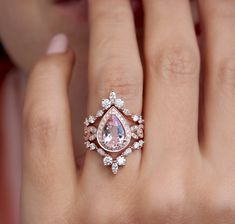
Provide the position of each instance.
(113, 131)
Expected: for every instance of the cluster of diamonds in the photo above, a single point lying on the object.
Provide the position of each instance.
(114, 134)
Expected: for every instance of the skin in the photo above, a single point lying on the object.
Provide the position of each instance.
(186, 172)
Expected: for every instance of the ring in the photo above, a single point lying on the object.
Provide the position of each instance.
(114, 133)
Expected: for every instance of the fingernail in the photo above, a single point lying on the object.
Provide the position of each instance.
(58, 44)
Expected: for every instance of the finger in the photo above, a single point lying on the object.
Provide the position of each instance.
(218, 19)
(49, 171)
(172, 64)
(114, 65)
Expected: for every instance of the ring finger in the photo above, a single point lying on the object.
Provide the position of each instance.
(114, 64)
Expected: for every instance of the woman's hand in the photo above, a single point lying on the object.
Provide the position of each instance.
(180, 176)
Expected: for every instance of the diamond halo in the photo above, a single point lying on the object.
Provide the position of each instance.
(114, 130)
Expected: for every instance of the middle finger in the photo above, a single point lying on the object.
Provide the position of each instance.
(171, 106)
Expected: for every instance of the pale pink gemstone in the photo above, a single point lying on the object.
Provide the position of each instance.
(113, 133)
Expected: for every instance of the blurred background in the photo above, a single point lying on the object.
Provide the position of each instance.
(9, 159)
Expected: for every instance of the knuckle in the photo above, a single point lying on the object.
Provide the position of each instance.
(45, 66)
(226, 75)
(124, 80)
(115, 214)
(40, 124)
(53, 64)
(168, 205)
(175, 63)
(114, 208)
(218, 5)
(105, 15)
(119, 217)
(222, 204)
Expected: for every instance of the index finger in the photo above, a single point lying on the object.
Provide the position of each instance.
(48, 162)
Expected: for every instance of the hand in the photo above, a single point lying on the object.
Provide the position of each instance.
(180, 176)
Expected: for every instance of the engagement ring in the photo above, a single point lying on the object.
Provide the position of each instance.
(114, 133)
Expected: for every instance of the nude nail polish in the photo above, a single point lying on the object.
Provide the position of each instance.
(58, 44)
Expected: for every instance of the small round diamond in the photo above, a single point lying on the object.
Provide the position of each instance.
(87, 144)
(112, 96)
(92, 146)
(136, 145)
(134, 135)
(86, 122)
(119, 103)
(91, 119)
(135, 118)
(127, 152)
(108, 160)
(90, 133)
(126, 112)
(106, 103)
(99, 113)
(121, 160)
(141, 121)
(134, 128)
(141, 143)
